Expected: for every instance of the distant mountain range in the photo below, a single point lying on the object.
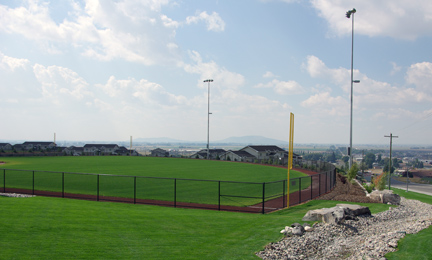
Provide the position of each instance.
(257, 140)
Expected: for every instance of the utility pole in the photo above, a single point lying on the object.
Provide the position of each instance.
(208, 116)
(390, 161)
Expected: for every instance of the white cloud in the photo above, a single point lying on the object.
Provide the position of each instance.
(214, 21)
(370, 91)
(395, 68)
(317, 69)
(135, 31)
(60, 83)
(11, 64)
(325, 104)
(222, 77)
(283, 87)
(420, 74)
(269, 74)
(400, 19)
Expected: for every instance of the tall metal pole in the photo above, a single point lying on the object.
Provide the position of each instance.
(390, 162)
(208, 117)
(348, 15)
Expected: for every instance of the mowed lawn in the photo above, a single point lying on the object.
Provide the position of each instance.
(196, 180)
(56, 228)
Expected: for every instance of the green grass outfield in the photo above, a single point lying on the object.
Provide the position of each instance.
(56, 228)
(202, 189)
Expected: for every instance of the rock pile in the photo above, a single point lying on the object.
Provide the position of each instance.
(368, 237)
(16, 195)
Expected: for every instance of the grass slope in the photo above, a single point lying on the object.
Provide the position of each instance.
(414, 246)
(55, 228)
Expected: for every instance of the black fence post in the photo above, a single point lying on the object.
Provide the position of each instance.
(219, 198)
(326, 182)
(98, 187)
(62, 184)
(134, 189)
(175, 193)
(33, 183)
(300, 190)
(311, 187)
(284, 195)
(4, 180)
(319, 184)
(263, 198)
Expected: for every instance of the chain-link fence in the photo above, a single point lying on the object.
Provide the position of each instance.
(175, 192)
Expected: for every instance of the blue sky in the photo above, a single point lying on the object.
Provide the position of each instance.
(108, 70)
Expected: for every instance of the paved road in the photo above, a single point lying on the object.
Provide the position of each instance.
(415, 187)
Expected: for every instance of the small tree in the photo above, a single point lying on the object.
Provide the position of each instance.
(352, 173)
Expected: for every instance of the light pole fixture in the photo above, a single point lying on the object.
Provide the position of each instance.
(348, 15)
(208, 116)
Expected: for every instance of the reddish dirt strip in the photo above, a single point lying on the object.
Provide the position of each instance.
(319, 187)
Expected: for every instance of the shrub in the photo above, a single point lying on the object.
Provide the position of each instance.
(380, 181)
(352, 173)
(369, 187)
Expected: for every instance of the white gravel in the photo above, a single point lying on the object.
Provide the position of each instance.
(16, 195)
(369, 237)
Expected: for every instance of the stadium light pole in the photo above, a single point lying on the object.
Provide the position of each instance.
(348, 15)
(208, 116)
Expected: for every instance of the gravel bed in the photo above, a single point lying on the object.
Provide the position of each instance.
(16, 195)
(369, 237)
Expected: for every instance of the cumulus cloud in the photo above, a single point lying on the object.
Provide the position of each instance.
(269, 74)
(371, 91)
(283, 87)
(135, 31)
(420, 74)
(324, 103)
(213, 21)
(11, 64)
(223, 78)
(59, 81)
(400, 19)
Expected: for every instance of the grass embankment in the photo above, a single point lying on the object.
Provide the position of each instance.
(55, 228)
(414, 246)
(203, 188)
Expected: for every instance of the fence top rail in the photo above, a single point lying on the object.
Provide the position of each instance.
(133, 176)
(167, 178)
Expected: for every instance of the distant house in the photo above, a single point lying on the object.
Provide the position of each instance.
(260, 153)
(264, 152)
(73, 150)
(18, 147)
(39, 146)
(158, 152)
(100, 149)
(5, 147)
(239, 156)
(213, 154)
(124, 151)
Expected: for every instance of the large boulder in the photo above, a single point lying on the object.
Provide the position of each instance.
(357, 210)
(337, 214)
(385, 196)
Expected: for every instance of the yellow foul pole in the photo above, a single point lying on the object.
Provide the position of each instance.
(290, 155)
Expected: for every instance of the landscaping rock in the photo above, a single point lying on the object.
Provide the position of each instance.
(385, 196)
(357, 210)
(337, 214)
(298, 231)
(370, 237)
